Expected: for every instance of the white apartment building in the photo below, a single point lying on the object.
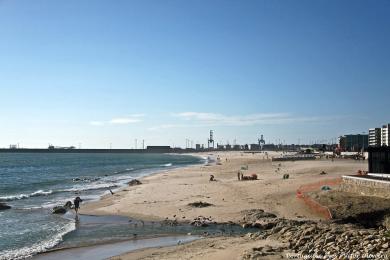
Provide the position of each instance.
(379, 136)
(385, 135)
(375, 136)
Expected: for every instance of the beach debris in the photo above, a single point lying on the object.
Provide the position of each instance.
(200, 204)
(325, 187)
(4, 206)
(251, 177)
(323, 173)
(134, 182)
(286, 176)
(360, 172)
(212, 178)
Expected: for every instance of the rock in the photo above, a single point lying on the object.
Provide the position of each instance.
(4, 206)
(246, 225)
(134, 182)
(253, 215)
(59, 210)
(62, 209)
(68, 204)
(386, 222)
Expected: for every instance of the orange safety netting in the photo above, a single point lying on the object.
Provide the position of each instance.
(315, 206)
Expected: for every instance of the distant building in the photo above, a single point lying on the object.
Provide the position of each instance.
(220, 147)
(379, 136)
(237, 147)
(385, 135)
(197, 146)
(375, 137)
(353, 143)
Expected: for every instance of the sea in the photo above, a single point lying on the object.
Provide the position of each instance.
(33, 183)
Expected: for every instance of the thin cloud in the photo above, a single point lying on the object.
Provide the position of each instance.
(124, 121)
(196, 119)
(236, 120)
(131, 119)
(96, 123)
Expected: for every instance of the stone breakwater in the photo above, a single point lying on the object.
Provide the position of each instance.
(302, 239)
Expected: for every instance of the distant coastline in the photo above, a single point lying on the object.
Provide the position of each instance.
(45, 150)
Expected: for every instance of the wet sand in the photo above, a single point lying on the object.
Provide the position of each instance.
(105, 251)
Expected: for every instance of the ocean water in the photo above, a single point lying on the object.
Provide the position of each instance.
(32, 184)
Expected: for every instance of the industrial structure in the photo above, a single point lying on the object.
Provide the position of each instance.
(210, 140)
(261, 142)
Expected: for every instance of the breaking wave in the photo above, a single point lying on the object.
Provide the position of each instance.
(25, 196)
(39, 247)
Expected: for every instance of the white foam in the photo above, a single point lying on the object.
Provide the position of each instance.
(89, 187)
(29, 251)
(167, 165)
(25, 196)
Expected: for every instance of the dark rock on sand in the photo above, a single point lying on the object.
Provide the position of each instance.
(134, 182)
(253, 215)
(59, 210)
(62, 209)
(4, 206)
(200, 204)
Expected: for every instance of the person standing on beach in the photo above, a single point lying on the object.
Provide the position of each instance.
(76, 203)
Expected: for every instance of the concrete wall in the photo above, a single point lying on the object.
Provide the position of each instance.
(366, 186)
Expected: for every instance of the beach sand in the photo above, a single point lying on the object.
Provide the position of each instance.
(167, 195)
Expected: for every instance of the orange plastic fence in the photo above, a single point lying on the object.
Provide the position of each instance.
(315, 206)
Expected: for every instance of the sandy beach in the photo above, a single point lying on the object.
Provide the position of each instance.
(167, 195)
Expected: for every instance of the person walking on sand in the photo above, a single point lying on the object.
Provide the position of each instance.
(76, 203)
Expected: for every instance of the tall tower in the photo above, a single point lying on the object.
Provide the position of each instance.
(261, 142)
(211, 139)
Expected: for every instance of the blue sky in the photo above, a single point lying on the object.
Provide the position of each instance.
(101, 72)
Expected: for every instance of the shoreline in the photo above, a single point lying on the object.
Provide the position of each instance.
(171, 163)
(149, 173)
(165, 195)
